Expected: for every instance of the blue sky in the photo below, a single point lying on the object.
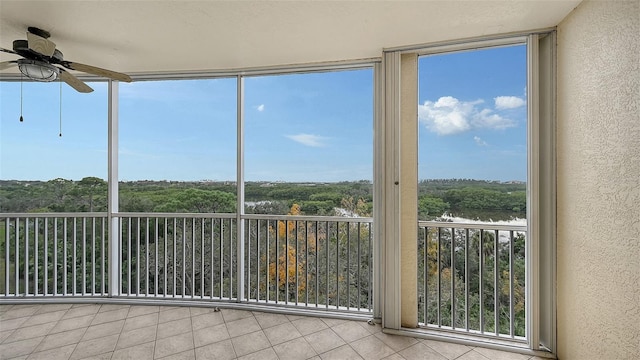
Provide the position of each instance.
(472, 115)
(299, 127)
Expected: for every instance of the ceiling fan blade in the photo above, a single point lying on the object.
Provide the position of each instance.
(41, 45)
(74, 82)
(7, 64)
(8, 51)
(96, 71)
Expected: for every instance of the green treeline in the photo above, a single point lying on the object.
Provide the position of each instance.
(473, 199)
(461, 197)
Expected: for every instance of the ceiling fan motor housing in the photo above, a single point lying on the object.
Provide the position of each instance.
(22, 48)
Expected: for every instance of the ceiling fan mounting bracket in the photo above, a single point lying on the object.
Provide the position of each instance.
(37, 31)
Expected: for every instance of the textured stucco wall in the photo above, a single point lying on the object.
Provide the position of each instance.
(598, 148)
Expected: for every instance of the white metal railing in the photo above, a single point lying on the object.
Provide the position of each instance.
(471, 278)
(180, 256)
(320, 262)
(299, 261)
(54, 254)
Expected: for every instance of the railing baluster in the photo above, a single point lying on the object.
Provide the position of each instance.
(84, 255)
(7, 273)
(481, 279)
(74, 279)
(277, 271)
(511, 287)
(467, 279)
(348, 265)
(257, 260)
(439, 279)
(496, 285)
(211, 255)
(317, 277)
(184, 255)
(202, 237)
(164, 258)
(129, 256)
(326, 248)
(36, 254)
(453, 277)
(193, 258)
(248, 261)
(426, 275)
(93, 256)
(306, 264)
(174, 271)
(370, 268)
(103, 257)
(138, 270)
(66, 269)
(337, 265)
(231, 247)
(220, 254)
(146, 257)
(45, 258)
(267, 262)
(358, 266)
(295, 225)
(286, 262)
(155, 260)
(55, 256)
(26, 256)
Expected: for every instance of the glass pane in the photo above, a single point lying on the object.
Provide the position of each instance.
(472, 135)
(177, 147)
(41, 171)
(309, 143)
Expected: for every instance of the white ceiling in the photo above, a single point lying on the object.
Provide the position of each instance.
(173, 36)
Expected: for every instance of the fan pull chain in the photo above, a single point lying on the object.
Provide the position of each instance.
(60, 134)
(21, 118)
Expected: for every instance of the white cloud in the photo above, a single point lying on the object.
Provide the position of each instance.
(508, 102)
(260, 107)
(308, 139)
(479, 141)
(449, 116)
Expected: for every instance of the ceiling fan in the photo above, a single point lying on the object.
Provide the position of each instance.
(39, 57)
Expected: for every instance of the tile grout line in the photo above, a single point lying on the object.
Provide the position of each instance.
(120, 333)
(193, 335)
(45, 336)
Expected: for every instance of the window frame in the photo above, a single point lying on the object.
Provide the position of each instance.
(541, 186)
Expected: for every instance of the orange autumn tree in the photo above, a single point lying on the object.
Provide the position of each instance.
(288, 264)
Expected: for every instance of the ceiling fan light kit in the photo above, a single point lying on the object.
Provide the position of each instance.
(38, 70)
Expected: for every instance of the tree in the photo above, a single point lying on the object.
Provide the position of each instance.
(90, 187)
(430, 206)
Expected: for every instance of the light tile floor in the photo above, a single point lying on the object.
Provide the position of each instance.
(91, 331)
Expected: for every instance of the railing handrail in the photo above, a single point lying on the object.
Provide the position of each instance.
(53, 215)
(307, 218)
(175, 215)
(472, 225)
(190, 215)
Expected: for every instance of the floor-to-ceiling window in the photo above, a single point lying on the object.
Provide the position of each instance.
(470, 128)
(472, 169)
(177, 155)
(308, 152)
(53, 160)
